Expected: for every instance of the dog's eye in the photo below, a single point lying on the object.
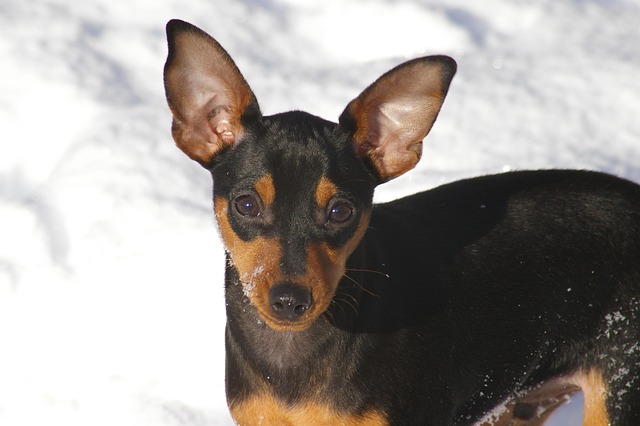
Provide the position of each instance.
(247, 205)
(341, 212)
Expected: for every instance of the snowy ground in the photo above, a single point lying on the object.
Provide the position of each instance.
(111, 303)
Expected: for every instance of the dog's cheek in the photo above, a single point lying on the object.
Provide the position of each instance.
(341, 254)
(256, 260)
(322, 275)
(326, 265)
(224, 227)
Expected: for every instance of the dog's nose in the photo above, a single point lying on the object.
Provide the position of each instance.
(289, 301)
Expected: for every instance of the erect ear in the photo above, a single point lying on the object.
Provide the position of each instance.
(391, 117)
(206, 92)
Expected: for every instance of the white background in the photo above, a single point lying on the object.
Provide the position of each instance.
(111, 301)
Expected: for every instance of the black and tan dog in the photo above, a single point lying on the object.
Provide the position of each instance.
(485, 301)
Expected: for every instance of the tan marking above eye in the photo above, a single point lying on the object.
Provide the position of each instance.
(266, 189)
(325, 191)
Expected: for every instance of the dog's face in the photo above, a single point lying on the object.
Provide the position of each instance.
(292, 203)
(292, 192)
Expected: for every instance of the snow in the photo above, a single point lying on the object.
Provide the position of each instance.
(111, 301)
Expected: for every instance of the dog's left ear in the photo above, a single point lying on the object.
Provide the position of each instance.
(391, 117)
(206, 92)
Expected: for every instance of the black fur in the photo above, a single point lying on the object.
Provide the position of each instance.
(454, 301)
(471, 292)
(296, 149)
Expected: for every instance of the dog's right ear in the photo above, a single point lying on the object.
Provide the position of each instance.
(206, 92)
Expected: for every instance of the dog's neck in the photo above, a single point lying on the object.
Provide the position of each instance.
(287, 362)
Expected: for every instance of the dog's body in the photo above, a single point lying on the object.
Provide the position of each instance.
(508, 291)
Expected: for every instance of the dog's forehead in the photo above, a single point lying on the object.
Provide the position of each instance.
(293, 148)
(299, 137)
(305, 157)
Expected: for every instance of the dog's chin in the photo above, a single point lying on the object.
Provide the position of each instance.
(303, 323)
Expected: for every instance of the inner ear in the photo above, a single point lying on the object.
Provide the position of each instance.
(390, 118)
(206, 92)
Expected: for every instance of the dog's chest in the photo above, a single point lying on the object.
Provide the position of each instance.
(264, 409)
(296, 378)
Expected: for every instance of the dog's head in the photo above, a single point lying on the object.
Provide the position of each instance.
(292, 192)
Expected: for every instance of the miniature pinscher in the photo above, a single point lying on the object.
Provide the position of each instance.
(487, 301)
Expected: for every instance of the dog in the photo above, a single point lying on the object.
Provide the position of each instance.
(484, 301)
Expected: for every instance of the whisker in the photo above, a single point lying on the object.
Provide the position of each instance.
(355, 301)
(361, 286)
(342, 297)
(328, 314)
(335, 303)
(355, 309)
(368, 270)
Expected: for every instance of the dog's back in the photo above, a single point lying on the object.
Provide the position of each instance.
(532, 274)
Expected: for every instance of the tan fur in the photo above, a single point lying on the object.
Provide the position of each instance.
(551, 395)
(265, 410)
(595, 394)
(258, 265)
(265, 188)
(325, 191)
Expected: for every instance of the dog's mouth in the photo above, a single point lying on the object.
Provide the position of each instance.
(277, 324)
(290, 307)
